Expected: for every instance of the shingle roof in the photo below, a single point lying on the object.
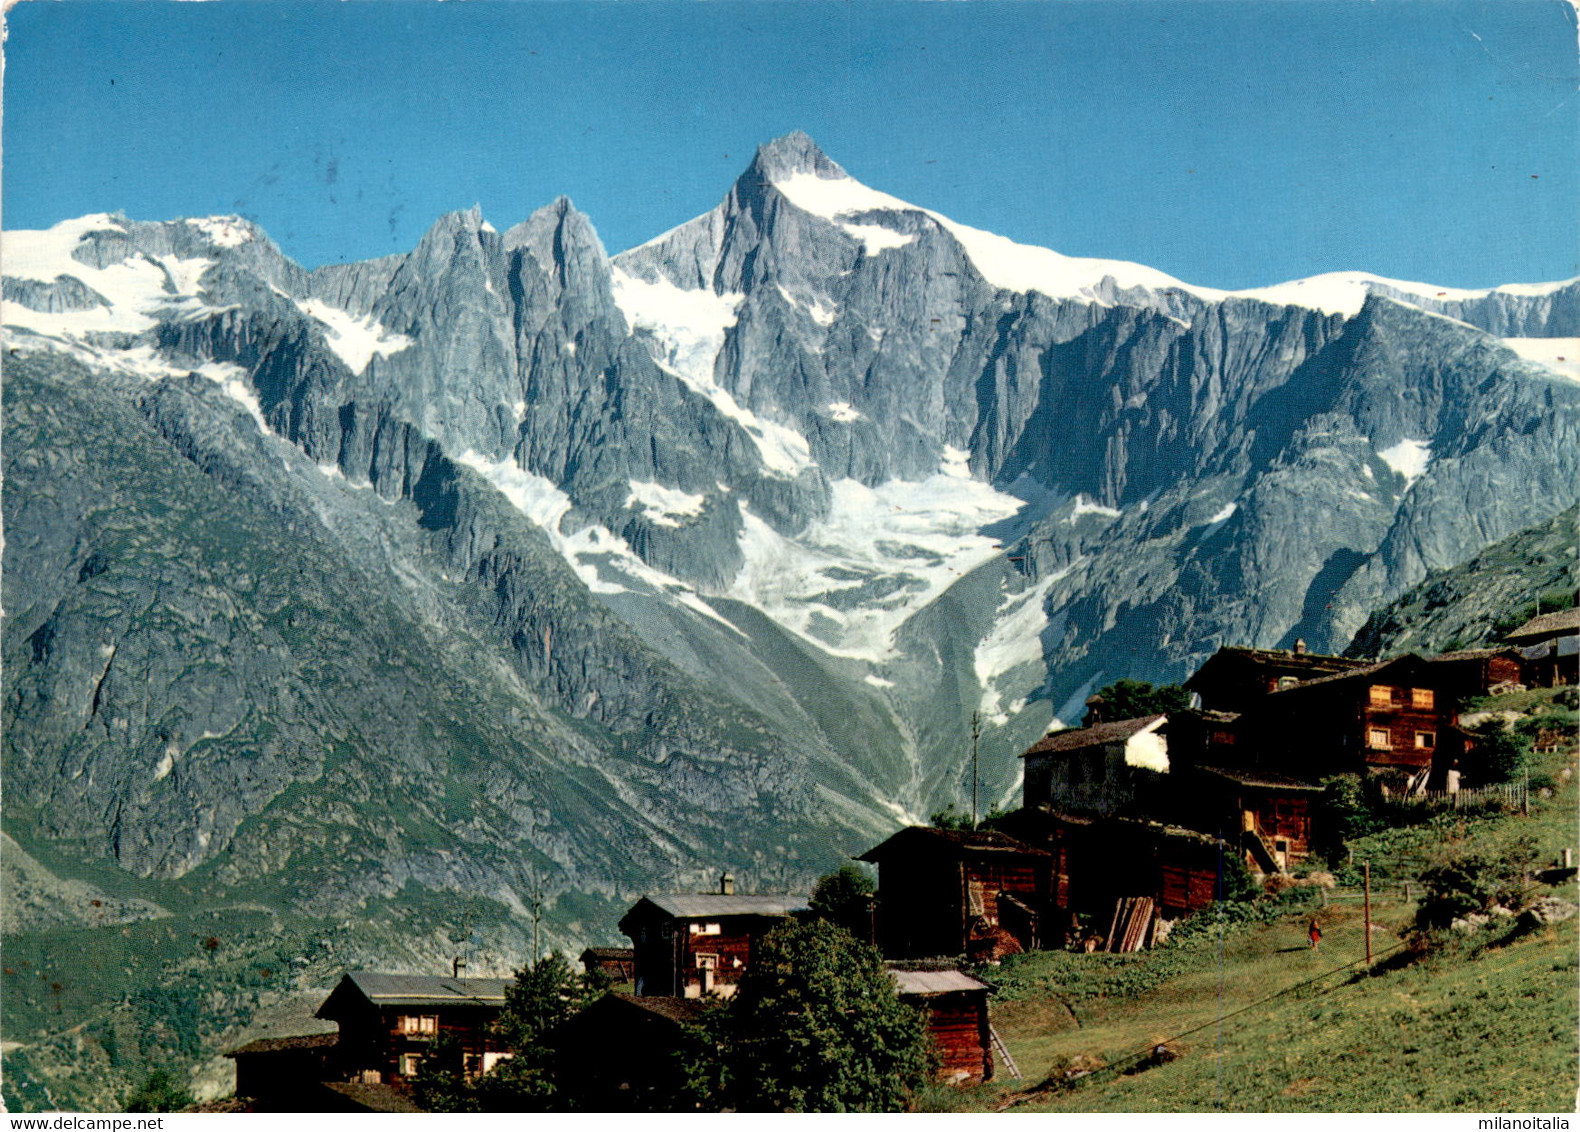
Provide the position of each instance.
(1263, 778)
(681, 1010)
(427, 990)
(325, 1040)
(1471, 654)
(374, 1098)
(1547, 623)
(689, 904)
(965, 840)
(1353, 674)
(1280, 658)
(1078, 738)
(609, 953)
(935, 982)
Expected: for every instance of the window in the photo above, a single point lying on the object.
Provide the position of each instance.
(1377, 738)
(492, 1058)
(409, 1063)
(704, 929)
(1223, 738)
(418, 1025)
(1425, 740)
(1287, 682)
(707, 961)
(1422, 698)
(1381, 695)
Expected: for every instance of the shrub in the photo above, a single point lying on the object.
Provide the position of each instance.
(1348, 809)
(159, 1092)
(1495, 754)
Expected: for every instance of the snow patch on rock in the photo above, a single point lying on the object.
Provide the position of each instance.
(898, 546)
(354, 340)
(1561, 355)
(1409, 458)
(664, 506)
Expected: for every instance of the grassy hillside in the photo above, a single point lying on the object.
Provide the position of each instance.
(1261, 1022)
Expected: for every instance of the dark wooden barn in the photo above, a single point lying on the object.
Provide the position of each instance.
(617, 964)
(690, 944)
(954, 892)
(957, 1020)
(1549, 647)
(619, 1054)
(388, 1023)
(284, 1074)
(1096, 861)
(1478, 672)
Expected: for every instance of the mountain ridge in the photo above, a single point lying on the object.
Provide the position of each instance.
(801, 472)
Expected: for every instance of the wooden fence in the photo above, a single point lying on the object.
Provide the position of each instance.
(1513, 794)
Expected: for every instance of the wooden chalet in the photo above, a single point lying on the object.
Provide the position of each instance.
(618, 1054)
(1098, 769)
(691, 944)
(617, 964)
(1394, 716)
(956, 1006)
(1233, 679)
(388, 1023)
(1549, 648)
(957, 892)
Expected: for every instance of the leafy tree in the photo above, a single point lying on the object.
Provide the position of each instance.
(1238, 882)
(441, 1084)
(541, 996)
(159, 1092)
(950, 817)
(1131, 699)
(845, 898)
(700, 1068)
(1495, 754)
(1347, 810)
(817, 1026)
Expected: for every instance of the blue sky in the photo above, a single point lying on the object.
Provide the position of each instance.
(1229, 143)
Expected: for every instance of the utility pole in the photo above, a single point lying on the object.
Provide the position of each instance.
(1366, 871)
(976, 734)
(536, 896)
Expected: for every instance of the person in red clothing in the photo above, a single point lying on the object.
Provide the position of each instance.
(1315, 933)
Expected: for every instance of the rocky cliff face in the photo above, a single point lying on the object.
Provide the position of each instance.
(1471, 604)
(708, 550)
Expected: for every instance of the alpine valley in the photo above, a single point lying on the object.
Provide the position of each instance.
(360, 614)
